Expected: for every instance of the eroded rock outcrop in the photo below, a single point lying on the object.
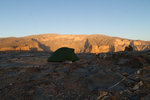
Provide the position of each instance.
(81, 43)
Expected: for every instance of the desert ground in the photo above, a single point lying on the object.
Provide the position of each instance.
(104, 76)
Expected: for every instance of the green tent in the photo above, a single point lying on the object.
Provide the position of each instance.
(63, 54)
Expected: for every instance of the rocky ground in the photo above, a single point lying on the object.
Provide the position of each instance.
(107, 76)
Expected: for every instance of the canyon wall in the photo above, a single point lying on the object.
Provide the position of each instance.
(81, 43)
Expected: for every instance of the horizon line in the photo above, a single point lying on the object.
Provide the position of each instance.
(32, 34)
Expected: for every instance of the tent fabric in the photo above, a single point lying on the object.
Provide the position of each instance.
(63, 54)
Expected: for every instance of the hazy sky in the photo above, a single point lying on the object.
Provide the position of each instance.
(122, 18)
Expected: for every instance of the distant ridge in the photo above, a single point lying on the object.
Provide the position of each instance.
(81, 43)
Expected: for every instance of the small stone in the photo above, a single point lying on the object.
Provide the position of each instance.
(138, 85)
(138, 72)
(125, 74)
(102, 94)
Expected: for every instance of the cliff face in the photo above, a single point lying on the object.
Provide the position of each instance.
(81, 43)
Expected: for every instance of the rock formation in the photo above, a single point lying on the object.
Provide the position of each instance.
(81, 43)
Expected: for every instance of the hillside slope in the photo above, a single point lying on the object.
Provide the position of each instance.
(81, 43)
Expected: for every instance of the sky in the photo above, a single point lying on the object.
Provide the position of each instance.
(121, 18)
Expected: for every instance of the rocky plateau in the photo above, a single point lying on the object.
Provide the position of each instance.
(104, 76)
